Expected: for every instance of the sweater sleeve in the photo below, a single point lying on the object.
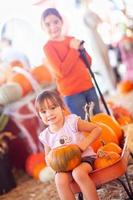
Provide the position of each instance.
(60, 68)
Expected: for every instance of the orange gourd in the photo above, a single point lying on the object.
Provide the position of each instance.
(107, 135)
(22, 81)
(37, 170)
(32, 161)
(125, 86)
(16, 63)
(124, 120)
(111, 146)
(106, 159)
(110, 121)
(64, 158)
(41, 74)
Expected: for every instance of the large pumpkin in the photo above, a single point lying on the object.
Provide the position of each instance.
(64, 158)
(41, 74)
(110, 121)
(107, 135)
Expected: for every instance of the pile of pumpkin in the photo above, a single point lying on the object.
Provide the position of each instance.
(35, 166)
(107, 147)
(21, 82)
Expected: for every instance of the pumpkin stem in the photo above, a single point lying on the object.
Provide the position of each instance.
(103, 142)
(89, 110)
(102, 154)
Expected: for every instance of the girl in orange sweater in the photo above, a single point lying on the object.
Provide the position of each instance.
(72, 77)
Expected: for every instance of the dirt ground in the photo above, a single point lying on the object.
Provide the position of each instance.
(30, 189)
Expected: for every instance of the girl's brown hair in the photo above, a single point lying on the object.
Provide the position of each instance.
(46, 95)
(50, 11)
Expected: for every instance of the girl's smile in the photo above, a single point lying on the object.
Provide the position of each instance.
(52, 115)
(53, 26)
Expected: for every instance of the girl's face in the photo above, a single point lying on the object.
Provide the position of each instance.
(53, 26)
(52, 115)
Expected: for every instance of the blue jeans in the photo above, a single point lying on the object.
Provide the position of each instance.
(76, 102)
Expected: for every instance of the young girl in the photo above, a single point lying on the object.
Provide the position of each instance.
(65, 130)
(72, 76)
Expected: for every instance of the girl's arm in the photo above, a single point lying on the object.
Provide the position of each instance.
(58, 66)
(94, 132)
(47, 150)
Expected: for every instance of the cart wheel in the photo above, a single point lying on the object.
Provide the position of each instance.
(80, 196)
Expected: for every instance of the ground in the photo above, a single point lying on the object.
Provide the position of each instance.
(31, 189)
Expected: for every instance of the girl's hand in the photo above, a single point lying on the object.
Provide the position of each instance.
(75, 43)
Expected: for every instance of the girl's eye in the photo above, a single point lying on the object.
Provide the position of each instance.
(52, 108)
(47, 24)
(56, 21)
(43, 112)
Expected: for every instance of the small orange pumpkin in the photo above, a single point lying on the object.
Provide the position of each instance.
(106, 159)
(22, 81)
(111, 146)
(125, 86)
(37, 170)
(42, 74)
(32, 161)
(16, 63)
(64, 158)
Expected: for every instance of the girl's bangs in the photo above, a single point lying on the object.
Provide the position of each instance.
(45, 103)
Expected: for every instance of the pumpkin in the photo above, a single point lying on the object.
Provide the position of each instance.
(33, 160)
(124, 120)
(16, 63)
(41, 74)
(125, 86)
(9, 93)
(107, 135)
(22, 81)
(37, 170)
(64, 158)
(110, 121)
(106, 159)
(121, 114)
(111, 146)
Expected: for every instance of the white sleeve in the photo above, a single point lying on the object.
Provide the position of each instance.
(73, 120)
(42, 138)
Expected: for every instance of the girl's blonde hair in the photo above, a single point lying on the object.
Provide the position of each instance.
(46, 95)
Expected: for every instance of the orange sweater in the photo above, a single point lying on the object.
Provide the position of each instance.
(70, 72)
